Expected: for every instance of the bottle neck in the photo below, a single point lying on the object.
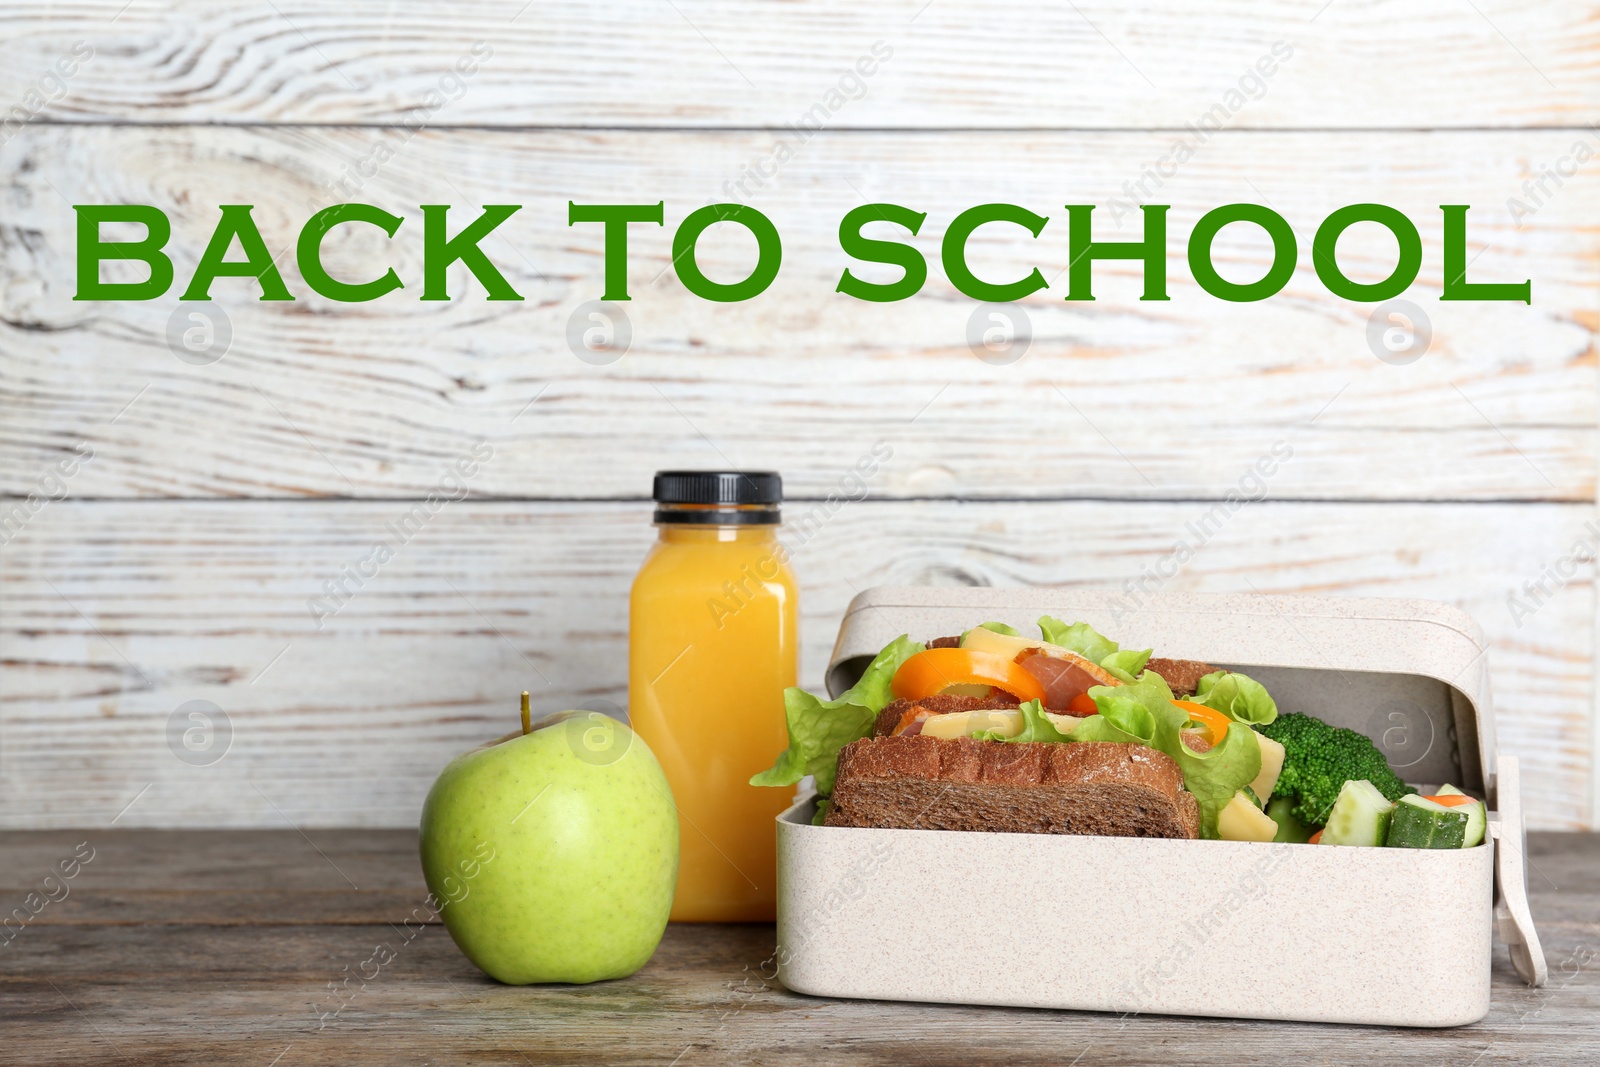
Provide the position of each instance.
(718, 516)
(704, 533)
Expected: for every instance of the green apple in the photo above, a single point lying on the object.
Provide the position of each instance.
(552, 854)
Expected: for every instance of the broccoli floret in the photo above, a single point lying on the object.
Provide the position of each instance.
(1317, 761)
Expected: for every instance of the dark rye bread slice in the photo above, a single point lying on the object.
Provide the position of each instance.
(1181, 675)
(941, 704)
(1088, 787)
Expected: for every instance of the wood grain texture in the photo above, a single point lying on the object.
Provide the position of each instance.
(954, 63)
(112, 613)
(180, 990)
(117, 613)
(1116, 398)
(216, 877)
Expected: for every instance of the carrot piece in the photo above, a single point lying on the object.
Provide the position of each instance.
(1316, 838)
(1451, 800)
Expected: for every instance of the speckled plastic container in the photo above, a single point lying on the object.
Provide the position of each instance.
(1221, 928)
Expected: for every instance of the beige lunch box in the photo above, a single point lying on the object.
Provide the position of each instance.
(1218, 928)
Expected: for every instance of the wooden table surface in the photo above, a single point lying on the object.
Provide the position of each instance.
(282, 949)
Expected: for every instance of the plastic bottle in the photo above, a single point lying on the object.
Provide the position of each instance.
(712, 643)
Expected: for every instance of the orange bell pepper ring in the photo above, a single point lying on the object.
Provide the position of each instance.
(937, 669)
(1215, 722)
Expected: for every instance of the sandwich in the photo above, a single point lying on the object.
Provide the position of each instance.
(1069, 733)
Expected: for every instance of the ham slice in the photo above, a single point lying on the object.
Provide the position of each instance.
(1064, 676)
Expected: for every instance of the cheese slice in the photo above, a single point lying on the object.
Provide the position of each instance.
(1005, 720)
(1271, 767)
(980, 639)
(1241, 820)
(967, 723)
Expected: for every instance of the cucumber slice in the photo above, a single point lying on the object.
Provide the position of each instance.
(1290, 828)
(1359, 817)
(1420, 823)
(1477, 821)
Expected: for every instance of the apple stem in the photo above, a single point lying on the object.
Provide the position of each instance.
(527, 713)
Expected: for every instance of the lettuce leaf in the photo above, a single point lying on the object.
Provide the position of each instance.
(1127, 663)
(1035, 727)
(1143, 712)
(997, 627)
(1082, 638)
(1239, 697)
(1125, 714)
(1214, 776)
(818, 729)
(822, 812)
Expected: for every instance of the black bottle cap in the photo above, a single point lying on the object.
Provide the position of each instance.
(720, 498)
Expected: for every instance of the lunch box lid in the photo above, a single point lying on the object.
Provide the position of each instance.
(1411, 674)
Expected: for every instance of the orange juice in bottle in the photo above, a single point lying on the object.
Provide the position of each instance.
(712, 643)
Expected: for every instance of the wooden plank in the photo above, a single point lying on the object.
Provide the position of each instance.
(145, 861)
(95, 877)
(230, 907)
(187, 992)
(118, 613)
(183, 994)
(733, 62)
(1116, 398)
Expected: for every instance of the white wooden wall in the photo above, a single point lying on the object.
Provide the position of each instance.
(219, 498)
